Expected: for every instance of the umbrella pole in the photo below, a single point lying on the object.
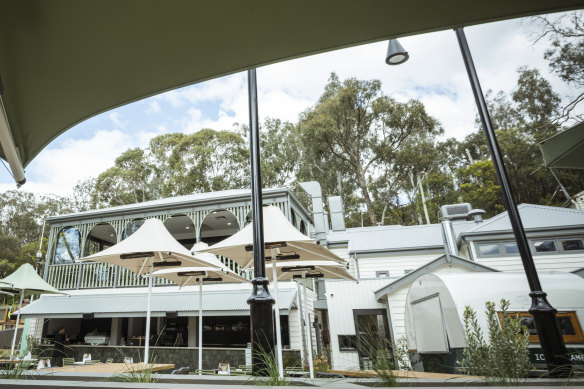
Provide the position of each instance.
(200, 326)
(16, 325)
(277, 314)
(147, 337)
(307, 325)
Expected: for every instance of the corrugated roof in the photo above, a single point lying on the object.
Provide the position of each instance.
(169, 201)
(215, 303)
(533, 217)
(389, 238)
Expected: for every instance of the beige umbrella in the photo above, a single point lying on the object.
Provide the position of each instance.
(150, 247)
(26, 281)
(214, 272)
(284, 243)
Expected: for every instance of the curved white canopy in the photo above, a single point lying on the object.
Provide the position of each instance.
(287, 270)
(151, 241)
(278, 233)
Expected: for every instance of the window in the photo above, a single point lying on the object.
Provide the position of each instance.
(488, 249)
(572, 244)
(68, 245)
(567, 321)
(382, 274)
(544, 246)
(510, 248)
(347, 342)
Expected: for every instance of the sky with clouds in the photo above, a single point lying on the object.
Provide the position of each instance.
(434, 74)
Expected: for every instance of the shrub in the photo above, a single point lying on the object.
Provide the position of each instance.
(504, 359)
(378, 349)
(321, 365)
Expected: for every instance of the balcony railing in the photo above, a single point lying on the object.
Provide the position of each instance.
(90, 275)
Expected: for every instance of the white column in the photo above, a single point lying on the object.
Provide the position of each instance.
(307, 327)
(115, 331)
(192, 331)
(277, 314)
(200, 325)
(16, 325)
(149, 301)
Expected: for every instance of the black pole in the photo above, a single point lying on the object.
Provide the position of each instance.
(544, 315)
(260, 302)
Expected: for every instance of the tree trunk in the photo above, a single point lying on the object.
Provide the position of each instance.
(363, 184)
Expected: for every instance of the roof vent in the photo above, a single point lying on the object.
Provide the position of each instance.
(455, 211)
(337, 214)
(476, 215)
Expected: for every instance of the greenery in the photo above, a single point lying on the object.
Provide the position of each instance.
(378, 349)
(269, 375)
(504, 358)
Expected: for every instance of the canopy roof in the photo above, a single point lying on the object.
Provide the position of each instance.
(566, 149)
(279, 233)
(151, 241)
(65, 61)
(186, 303)
(26, 279)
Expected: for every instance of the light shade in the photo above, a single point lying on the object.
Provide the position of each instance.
(395, 53)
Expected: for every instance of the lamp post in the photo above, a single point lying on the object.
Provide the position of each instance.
(544, 315)
(260, 302)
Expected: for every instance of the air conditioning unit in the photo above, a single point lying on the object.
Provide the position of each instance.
(455, 211)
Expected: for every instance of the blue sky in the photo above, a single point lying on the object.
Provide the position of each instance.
(434, 74)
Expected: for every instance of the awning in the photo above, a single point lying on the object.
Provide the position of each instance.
(64, 61)
(215, 303)
(566, 149)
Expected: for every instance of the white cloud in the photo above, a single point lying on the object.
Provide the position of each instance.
(153, 107)
(116, 118)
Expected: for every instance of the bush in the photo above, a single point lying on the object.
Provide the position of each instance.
(321, 365)
(378, 349)
(504, 359)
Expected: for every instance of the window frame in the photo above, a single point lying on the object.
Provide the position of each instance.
(352, 339)
(561, 247)
(578, 338)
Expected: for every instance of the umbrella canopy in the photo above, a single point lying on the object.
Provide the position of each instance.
(66, 61)
(288, 270)
(26, 279)
(151, 241)
(280, 234)
(566, 149)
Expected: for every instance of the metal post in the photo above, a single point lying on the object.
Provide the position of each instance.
(277, 316)
(200, 325)
(260, 302)
(307, 328)
(148, 308)
(16, 326)
(544, 315)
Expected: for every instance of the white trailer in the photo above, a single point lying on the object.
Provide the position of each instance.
(436, 303)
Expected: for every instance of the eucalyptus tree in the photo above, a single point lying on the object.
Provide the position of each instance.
(362, 129)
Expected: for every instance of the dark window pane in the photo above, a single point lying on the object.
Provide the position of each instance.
(528, 322)
(68, 244)
(489, 249)
(542, 246)
(347, 342)
(572, 244)
(510, 248)
(565, 324)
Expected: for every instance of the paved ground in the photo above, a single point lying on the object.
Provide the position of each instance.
(95, 380)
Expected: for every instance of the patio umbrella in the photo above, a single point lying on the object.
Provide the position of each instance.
(151, 246)
(565, 150)
(214, 272)
(284, 242)
(26, 281)
(288, 270)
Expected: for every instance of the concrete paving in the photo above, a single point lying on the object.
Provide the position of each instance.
(167, 381)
